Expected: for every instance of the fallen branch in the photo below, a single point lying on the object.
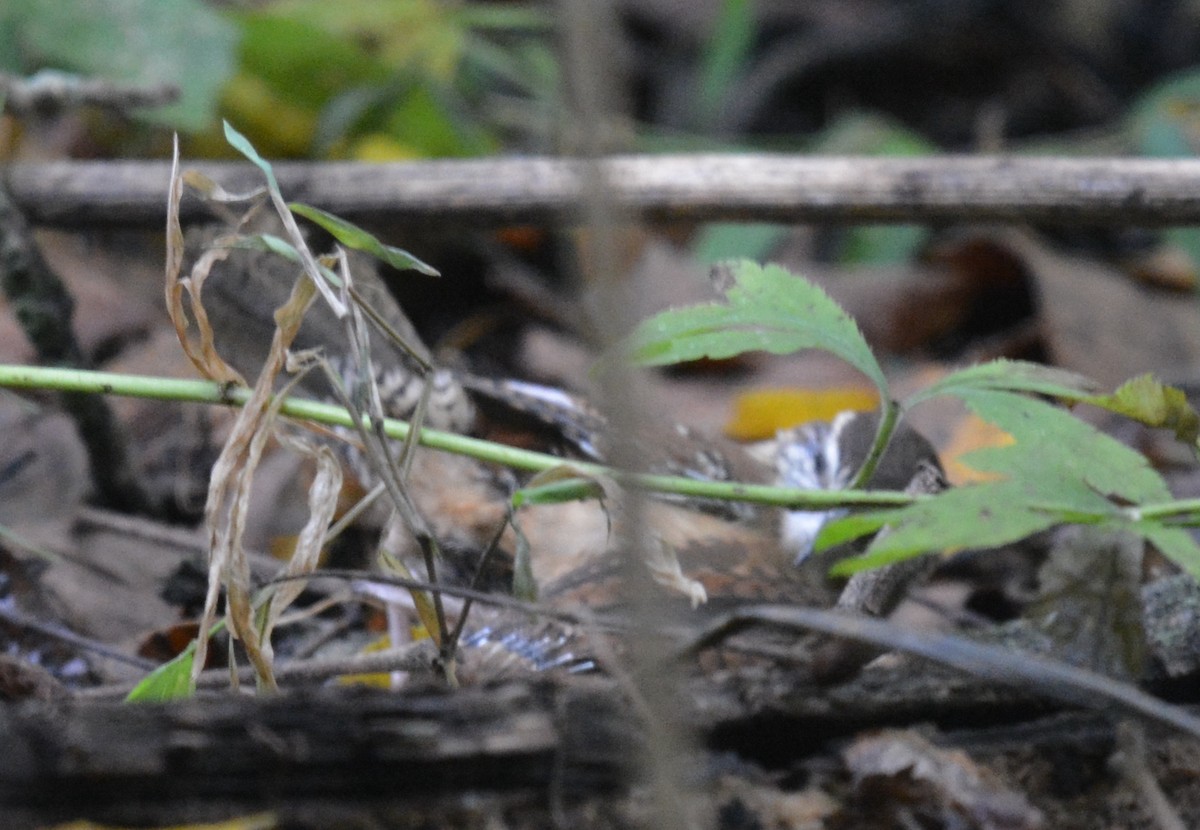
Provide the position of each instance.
(746, 187)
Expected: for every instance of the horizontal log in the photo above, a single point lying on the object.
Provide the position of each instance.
(747, 187)
(205, 758)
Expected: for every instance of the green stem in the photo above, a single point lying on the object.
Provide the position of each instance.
(202, 391)
(883, 436)
(1182, 513)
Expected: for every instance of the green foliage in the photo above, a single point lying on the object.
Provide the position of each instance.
(347, 233)
(1010, 376)
(151, 42)
(389, 79)
(355, 237)
(766, 308)
(555, 485)
(1059, 469)
(170, 681)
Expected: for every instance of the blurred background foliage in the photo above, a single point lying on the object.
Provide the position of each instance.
(380, 80)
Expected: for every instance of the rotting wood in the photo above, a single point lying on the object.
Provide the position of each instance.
(749, 187)
(214, 757)
(529, 747)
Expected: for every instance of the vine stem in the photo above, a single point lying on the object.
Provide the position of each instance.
(203, 391)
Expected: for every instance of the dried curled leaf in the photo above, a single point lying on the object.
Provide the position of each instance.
(228, 501)
(1152, 402)
(665, 569)
(204, 355)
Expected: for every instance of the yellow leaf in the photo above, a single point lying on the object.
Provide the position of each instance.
(760, 414)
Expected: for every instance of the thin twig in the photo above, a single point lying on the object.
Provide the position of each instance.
(57, 632)
(1053, 678)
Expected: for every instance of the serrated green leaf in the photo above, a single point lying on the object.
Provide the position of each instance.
(355, 237)
(1011, 376)
(170, 681)
(766, 308)
(978, 516)
(1150, 401)
(1060, 459)
(1059, 469)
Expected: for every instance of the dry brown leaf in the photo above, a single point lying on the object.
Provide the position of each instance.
(1102, 324)
(903, 771)
(205, 359)
(228, 502)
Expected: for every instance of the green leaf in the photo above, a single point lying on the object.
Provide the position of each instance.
(279, 48)
(1148, 400)
(355, 237)
(170, 681)
(524, 584)
(850, 527)
(240, 143)
(1175, 543)
(766, 308)
(556, 485)
(1060, 469)
(977, 516)
(1011, 376)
